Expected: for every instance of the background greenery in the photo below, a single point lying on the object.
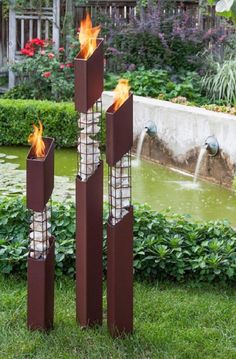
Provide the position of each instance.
(219, 83)
(59, 121)
(162, 84)
(165, 55)
(17, 117)
(166, 246)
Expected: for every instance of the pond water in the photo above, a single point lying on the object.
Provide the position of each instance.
(158, 186)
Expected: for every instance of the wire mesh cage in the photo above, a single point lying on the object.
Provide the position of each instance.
(89, 153)
(119, 184)
(40, 232)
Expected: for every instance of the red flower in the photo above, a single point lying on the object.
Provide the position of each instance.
(62, 66)
(27, 52)
(51, 55)
(43, 52)
(31, 46)
(61, 49)
(37, 42)
(69, 64)
(46, 74)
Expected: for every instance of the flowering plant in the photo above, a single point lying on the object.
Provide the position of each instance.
(32, 46)
(46, 73)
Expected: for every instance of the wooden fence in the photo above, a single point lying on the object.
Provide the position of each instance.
(126, 9)
(3, 38)
(123, 9)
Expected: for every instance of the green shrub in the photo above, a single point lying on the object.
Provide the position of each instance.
(220, 84)
(165, 245)
(154, 38)
(17, 117)
(59, 120)
(161, 84)
(140, 49)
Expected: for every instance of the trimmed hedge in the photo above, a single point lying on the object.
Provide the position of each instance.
(165, 245)
(17, 117)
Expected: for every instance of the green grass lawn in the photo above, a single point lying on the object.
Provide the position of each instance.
(171, 321)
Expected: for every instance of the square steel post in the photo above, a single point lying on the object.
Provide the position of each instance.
(89, 188)
(119, 126)
(40, 183)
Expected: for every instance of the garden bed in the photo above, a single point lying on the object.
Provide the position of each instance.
(166, 246)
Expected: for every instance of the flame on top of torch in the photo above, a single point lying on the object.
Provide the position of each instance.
(88, 37)
(36, 141)
(121, 93)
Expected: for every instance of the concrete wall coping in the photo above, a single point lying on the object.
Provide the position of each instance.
(174, 106)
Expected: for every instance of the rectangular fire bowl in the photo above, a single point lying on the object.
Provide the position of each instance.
(40, 177)
(89, 235)
(41, 291)
(120, 276)
(89, 76)
(119, 125)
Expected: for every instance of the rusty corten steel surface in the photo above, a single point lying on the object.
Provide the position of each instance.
(89, 243)
(41, 291)
(119, 131)
(40, 177)
(120, 276)
(89, 80)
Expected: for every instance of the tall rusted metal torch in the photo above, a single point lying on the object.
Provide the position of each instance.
(40, 183)
(89, 74)
(119, 125)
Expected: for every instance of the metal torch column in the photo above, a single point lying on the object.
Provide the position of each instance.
(120, 223)
(89, 189)
(40, 182)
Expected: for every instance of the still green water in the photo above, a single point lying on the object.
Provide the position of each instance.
(158, 186)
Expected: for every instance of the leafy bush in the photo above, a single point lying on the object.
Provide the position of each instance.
(17, 117)
(165, 245)
(160, 36)
(136, 49)
(162, 84)
(220, 84)
(44, 73)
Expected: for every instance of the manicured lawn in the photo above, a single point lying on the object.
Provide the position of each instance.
(171, 321)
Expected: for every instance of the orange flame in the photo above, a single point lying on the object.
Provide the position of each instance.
(121, 93)
(36, 141)
(88, 37)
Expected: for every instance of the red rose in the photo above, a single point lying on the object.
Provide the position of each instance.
(46, 74)
(69, 64)
(27, 52)
(51, 55)
(37, 42)
(62, 66)
(31, 53)
(43, 52)
(61, 49)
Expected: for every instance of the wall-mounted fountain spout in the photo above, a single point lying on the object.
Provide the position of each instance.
(151, 128)
(212, 146)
